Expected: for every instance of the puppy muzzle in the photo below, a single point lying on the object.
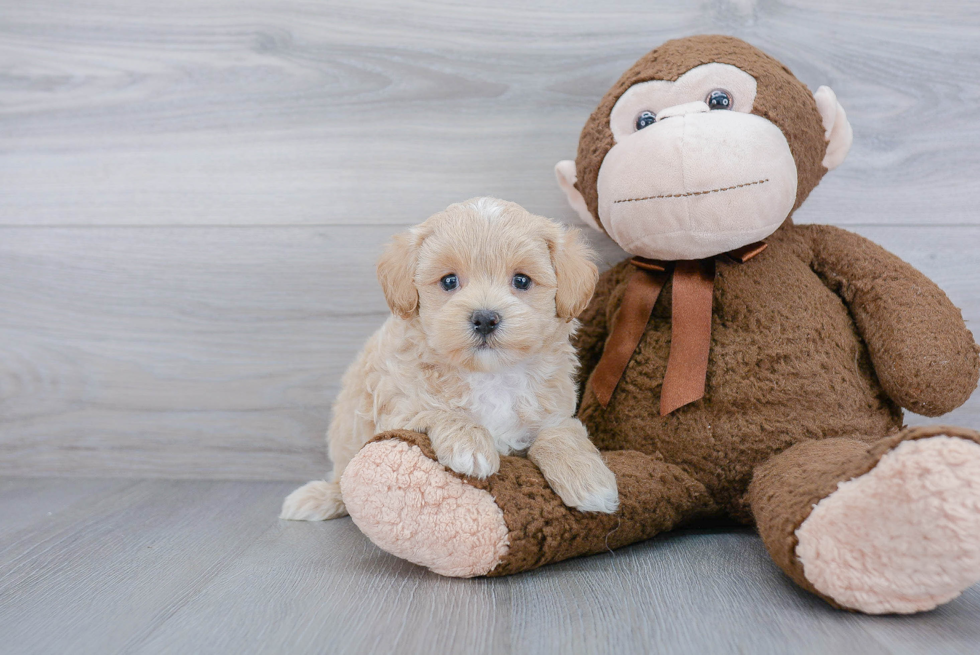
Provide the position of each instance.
(484, 322)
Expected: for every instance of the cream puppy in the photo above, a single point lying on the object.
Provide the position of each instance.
(476, 354)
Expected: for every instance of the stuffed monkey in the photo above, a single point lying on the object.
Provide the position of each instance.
(738, 366)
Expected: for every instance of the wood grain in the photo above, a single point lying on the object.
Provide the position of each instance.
(178, 352)
(205, 567)
(216, 352)
(29, 502)
(353, 112)
(192, 198)
(91, 578)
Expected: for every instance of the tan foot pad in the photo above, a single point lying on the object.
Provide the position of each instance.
(413, 508)
(904, 537)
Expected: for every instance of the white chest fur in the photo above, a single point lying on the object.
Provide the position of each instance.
(505, 404)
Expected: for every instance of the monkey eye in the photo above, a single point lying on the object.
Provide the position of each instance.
(645, 118)
(719, 99)
(449, 282)
(522, 282)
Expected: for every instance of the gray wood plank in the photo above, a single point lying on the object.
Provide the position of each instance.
(323, 588)
(215, 353)
(186, 353)
(689, 592)
(206, 567)
(164, 348)
(97, 576)
(28, 502)
(355, 112)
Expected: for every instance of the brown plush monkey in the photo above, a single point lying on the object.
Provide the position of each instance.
(739, 366)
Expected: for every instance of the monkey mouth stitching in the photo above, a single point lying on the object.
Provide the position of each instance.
(691, 193)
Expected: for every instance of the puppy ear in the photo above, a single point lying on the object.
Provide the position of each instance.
(396, 273)
(577, 275)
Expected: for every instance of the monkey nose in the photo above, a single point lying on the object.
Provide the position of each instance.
(698, 107)
(485, 321)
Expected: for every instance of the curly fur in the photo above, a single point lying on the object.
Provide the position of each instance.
(476, 397)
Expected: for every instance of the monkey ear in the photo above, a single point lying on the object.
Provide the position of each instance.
(396, 273)
(576, 274)
(566, 175)
(837, 131)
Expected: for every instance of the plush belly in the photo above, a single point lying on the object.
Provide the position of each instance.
(786, 364)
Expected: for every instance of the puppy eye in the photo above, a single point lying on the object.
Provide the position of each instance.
(522, 282)
(645, 119)
(449, 282)
(719, 99)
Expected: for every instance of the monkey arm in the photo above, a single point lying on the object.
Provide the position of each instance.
(923, 353)
(595, 321)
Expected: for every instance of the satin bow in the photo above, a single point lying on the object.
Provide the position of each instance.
(690, 326)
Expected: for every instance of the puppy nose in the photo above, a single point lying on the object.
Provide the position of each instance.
(485, 321)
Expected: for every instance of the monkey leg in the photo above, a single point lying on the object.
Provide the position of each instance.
(890, 526)
(411, 506)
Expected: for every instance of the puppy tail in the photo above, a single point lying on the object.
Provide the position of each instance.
(314, 501)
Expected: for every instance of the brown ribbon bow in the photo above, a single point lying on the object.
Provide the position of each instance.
(690, 326)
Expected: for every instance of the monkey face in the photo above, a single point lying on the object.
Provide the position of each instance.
(685, 181)
(706, 144)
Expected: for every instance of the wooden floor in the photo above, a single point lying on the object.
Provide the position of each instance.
(192, 198)
(107, 566)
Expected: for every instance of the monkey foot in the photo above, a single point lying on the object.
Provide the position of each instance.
(902, 538)
(412, 507)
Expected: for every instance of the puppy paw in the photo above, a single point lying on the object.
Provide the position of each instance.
(581, 479)
(470, 452)
(314, 501)
(604, 497)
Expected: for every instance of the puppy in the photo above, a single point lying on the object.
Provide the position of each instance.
(477, 355)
